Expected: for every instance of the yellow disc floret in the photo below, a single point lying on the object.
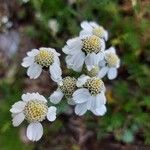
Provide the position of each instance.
(112, 59)
(35, 111)
(94, 85)
(91, 44)
(99, 31)
(44, 58)
(69, 86)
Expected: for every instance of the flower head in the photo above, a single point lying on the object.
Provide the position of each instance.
(92, 28)
(110, 64)
(65, 88)
(44, 58)
(91, 44)
(34, 109)
(94, 85)
(90, 96)
(80, 50)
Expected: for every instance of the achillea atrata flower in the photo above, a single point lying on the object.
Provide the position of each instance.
(90, 96)
(65, 89)
(44, 58)
(80, 50)
(33, 108)
(92, 28)
(110, 64)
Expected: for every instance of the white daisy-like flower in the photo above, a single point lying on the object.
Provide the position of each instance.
(90, 96)
(44, 58)
(65, 89)
(110, 64)
(92, 28)
(33, 108)
(80, 50)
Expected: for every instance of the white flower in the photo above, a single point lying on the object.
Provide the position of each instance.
(65, 88)
(92, 28)
(53, 25)
(110, 64)
(44, 58)
(90, 96)
(80, 50)
(33, 107)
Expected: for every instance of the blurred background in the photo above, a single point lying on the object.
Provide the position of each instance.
(27, 24)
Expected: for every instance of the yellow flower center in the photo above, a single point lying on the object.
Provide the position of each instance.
(112, 59)
(93, 72)
(91, 44)
(44, 58)
(69, 86)
(94, 85)
(99, 31)
(35, 111)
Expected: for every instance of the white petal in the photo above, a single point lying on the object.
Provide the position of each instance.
(100, 56)
(73, 46)
(18, 119)
(81, 80)
(80, 109)
(92, 103)
(75, 42)
(118, 64)
(76, 61)
(68, 60)
(97, 108)
(27, 61)
(38, 97)
(34, 71)
(34, 131)
(72, 50)
(100, 99)
(91, 61)
(81, 95)
(18, 107)
(72, 42)
(30, 96)
(103, 72)
(56, 60)
(56, 97)
(51, 50)
(33, 52)
(110, 50)
(86, 26)
(89, 103)
(55, 72)
(102, 44)
(106, 35)
(100, 111)
(68, 50)
(112, 73)
(102, 63)
(51, 115)
(85, 33)
(25, 97)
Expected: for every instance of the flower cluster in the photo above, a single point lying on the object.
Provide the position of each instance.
(87, 55)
